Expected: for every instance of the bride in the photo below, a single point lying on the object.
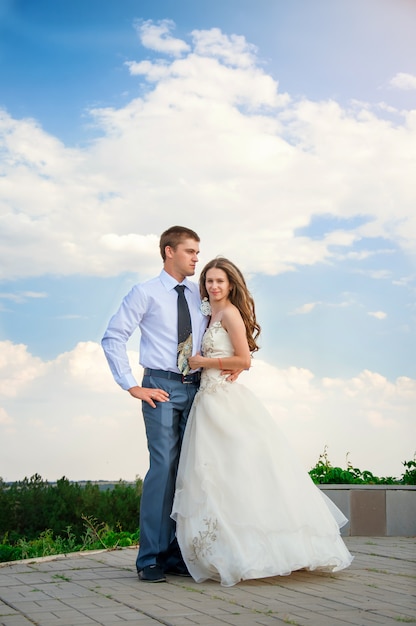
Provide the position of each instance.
(244, 506)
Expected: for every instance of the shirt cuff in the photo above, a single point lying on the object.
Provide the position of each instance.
(127, 382)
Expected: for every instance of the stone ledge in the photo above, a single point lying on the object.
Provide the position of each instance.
(375, 510)
(359, 487)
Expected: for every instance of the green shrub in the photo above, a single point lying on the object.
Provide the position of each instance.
(324, 473)
(9, 553)
(409, 476)
(97, 536)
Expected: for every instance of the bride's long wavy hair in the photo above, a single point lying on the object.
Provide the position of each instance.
(239, 296)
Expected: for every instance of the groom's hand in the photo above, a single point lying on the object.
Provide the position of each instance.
(231, 375)
(149, 395)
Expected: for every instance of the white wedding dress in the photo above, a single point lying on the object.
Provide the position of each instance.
(244, 505)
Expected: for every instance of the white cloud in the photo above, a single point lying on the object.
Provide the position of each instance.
(211, 142)
(379, 421)
(23, 296)
(74, 399)
(157, 36)
(68, 418)
(405, 281)
(232, 50)
(381, 274)
(130, 243)
(308, 307)
(305, 308)
(87, 367)
(361, 255)
(380, 315)
(152, 71)
(405, 81)
(18, 369)
(5, 419)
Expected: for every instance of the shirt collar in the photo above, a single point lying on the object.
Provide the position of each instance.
(169, 282)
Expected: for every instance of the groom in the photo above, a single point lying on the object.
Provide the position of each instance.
(166, 393)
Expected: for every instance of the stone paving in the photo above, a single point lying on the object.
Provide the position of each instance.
(86, 589)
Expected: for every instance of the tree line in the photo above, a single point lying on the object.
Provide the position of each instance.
(32, 505)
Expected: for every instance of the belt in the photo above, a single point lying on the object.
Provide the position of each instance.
(189, 379)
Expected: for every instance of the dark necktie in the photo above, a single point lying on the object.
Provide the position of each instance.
(184, 331)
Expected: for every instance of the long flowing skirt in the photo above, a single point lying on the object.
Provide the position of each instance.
(245, 506)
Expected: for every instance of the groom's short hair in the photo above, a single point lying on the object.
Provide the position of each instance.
(174, 236)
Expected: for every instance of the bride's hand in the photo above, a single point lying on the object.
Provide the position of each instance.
(196, 361)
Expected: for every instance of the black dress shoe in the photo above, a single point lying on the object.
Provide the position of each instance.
(179, 570)
(152, 574)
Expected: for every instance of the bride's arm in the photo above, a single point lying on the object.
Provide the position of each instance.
(232, 322)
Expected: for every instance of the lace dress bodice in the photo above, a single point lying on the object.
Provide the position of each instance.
(215, 344)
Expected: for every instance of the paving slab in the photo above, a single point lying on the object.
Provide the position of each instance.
(102, 588)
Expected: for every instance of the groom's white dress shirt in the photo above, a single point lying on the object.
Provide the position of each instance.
(151, 307)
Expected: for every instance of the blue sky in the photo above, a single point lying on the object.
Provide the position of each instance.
(284, 133)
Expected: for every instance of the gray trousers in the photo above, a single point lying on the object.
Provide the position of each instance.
(165, 426)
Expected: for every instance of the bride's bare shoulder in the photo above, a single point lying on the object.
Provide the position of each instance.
(231, 316)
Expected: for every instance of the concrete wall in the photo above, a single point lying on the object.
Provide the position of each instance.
(375, 510)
